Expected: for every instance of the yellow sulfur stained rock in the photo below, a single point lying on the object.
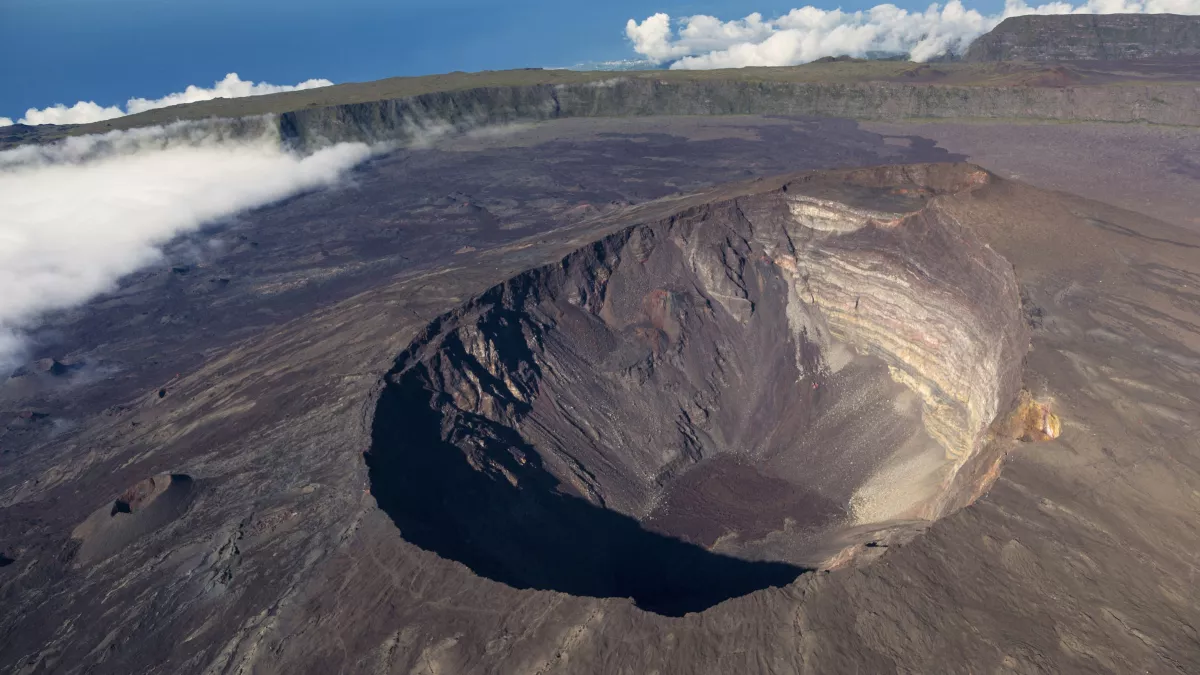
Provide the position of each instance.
(1032, 420)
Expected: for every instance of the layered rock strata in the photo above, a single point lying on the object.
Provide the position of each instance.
(1071, 37)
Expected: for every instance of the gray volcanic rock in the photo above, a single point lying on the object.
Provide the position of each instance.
(1074, 37)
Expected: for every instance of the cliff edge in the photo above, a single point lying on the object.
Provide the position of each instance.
(1089, 37)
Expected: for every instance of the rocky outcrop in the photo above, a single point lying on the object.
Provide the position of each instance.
(837, 348)
(1071, 37)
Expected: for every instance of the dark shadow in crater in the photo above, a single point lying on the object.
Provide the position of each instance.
(530, 535)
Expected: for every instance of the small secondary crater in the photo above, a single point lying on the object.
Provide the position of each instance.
(142, 509)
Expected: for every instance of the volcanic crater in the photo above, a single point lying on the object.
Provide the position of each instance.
(695, 408)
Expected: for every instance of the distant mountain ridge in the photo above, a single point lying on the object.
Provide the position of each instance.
(1085, 37)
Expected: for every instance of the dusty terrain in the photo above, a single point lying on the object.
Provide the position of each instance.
(199, 484)
(1144, 168)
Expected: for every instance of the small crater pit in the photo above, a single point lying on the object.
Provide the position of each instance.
(694, 409)
(140, 510)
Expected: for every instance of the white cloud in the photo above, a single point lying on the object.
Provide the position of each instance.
(80, 113)
(809, 33)
(84, 112)
(80, 214)
(230, 87)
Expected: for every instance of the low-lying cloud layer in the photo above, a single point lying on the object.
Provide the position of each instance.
(84, 112)
(806, 34)
(80, 214)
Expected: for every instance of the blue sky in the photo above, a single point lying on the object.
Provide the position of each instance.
(61, 51)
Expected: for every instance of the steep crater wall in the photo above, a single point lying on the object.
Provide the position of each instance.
(1109, 37)
(692, 409)
(416, 118)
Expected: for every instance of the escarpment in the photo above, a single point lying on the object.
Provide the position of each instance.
(419, 118)
(1089, 37)
(691, 409)
(405, 110)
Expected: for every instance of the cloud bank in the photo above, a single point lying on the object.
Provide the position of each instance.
(806, 34)
(84, 112)
(80, 214)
